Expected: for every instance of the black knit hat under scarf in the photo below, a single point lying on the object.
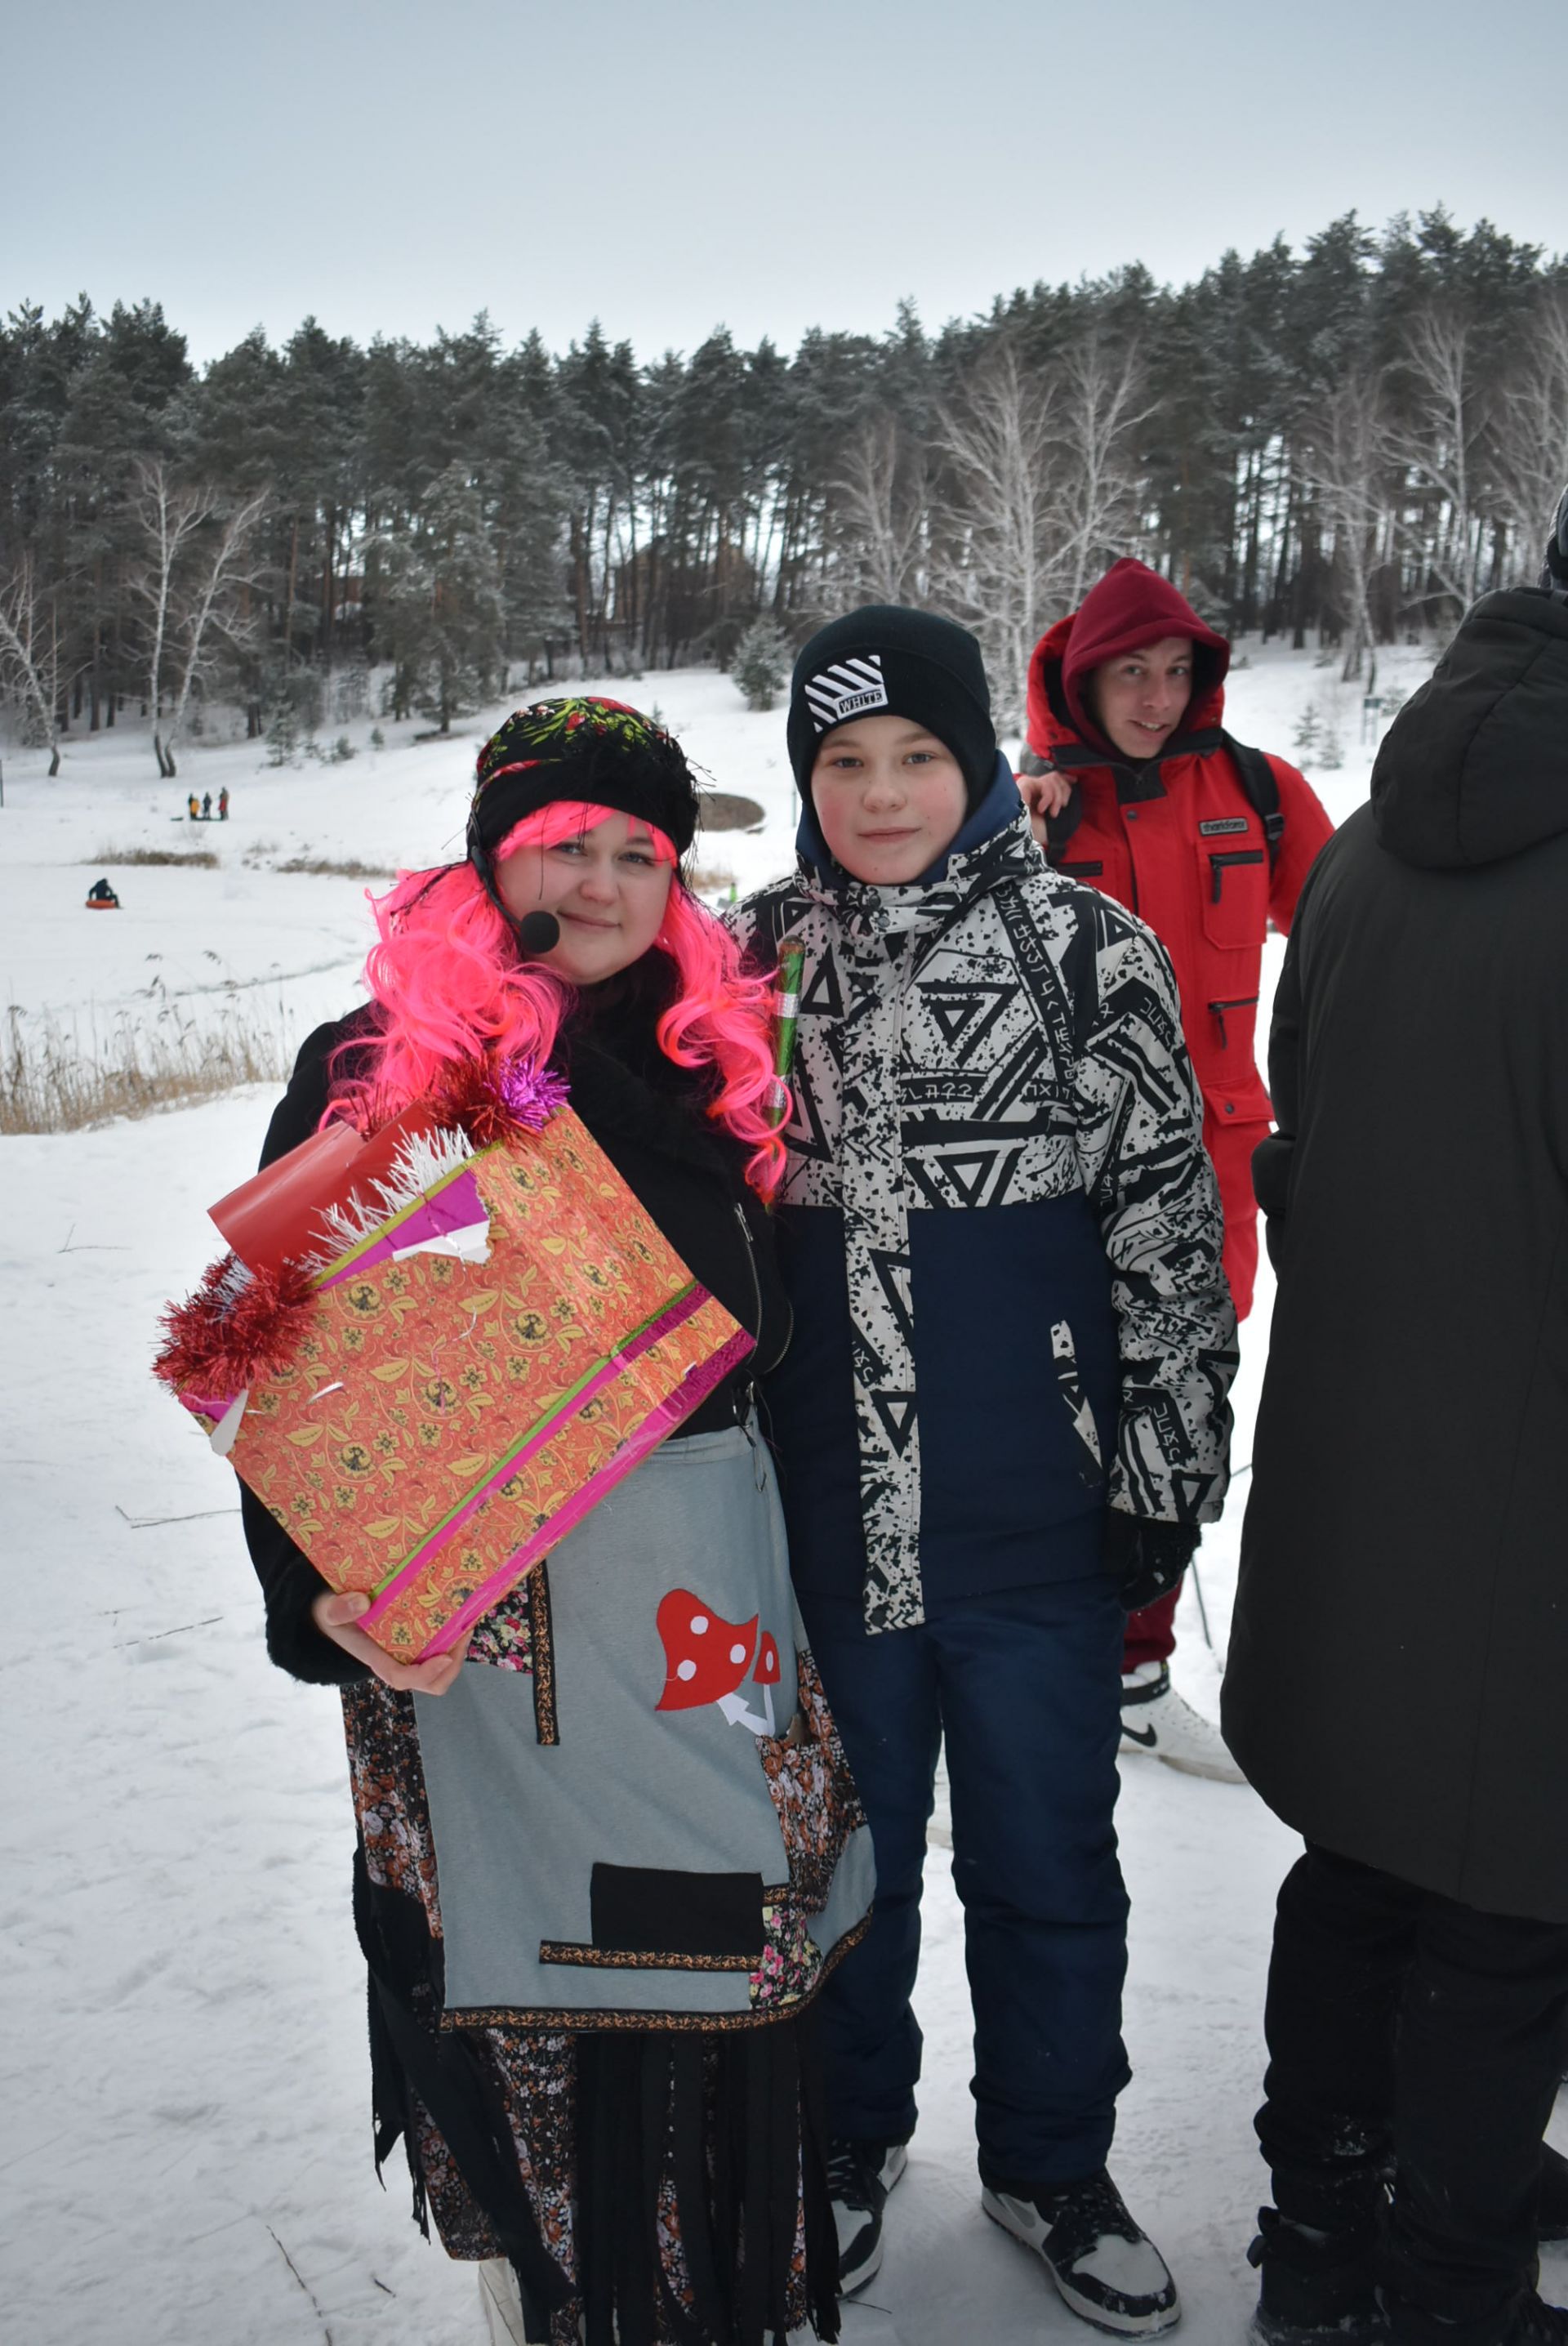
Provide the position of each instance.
(598, 750)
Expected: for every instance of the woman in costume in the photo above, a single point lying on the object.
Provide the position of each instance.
(608, 1847)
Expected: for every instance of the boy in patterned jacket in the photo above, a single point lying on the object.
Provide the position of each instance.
(1003, 1418)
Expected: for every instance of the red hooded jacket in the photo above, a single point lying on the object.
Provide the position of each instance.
(1178, 841)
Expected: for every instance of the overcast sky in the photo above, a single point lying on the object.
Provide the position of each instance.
(670, 165)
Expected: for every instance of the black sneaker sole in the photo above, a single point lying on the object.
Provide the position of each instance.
(1139, 2325)
(851, 2283)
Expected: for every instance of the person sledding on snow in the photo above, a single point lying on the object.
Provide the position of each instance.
(101, 898)
(1002, 1416)
(1137, 790)
(1395, 1685)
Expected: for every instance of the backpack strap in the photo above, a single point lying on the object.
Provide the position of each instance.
(1262, 787)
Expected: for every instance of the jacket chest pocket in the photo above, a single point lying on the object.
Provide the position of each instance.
(1232, 892)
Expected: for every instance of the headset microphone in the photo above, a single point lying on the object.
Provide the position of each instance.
(538, 933)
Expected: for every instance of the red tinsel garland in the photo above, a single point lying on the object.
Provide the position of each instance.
(237, 1327)
(241, 1325)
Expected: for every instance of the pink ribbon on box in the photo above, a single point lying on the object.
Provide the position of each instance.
(457, 1210)
(693, 1390)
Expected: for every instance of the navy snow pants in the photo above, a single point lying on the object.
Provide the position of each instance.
(1025, 1685)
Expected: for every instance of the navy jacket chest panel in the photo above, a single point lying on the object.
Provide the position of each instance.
(999, 1453)
(1009, 1492)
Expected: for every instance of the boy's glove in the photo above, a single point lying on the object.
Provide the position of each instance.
(1146, 1560)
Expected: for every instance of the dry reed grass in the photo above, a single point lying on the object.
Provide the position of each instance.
(202, 858)
(59, 1077)
(350, 868)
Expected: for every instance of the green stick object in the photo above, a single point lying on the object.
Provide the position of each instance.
(791, 962)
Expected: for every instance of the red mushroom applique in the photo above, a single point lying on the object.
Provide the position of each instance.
(707, 1658)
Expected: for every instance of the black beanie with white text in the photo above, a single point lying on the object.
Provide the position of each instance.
(885, 660)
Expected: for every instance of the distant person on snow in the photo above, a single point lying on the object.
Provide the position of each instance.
(101, 898)
(206, 808)
(1001, 1417)
(192, 808)
(1135, 788)
(1400, 1640)
(223, 803)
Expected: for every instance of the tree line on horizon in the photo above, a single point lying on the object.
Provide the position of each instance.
(1351, 441)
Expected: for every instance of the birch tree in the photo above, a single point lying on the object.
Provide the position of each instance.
(997, 432)
(1343, 461)
(195, 557)
(1531, 435)
(30, 657)
(1442, 447)
(1102, 399)
(880, 504)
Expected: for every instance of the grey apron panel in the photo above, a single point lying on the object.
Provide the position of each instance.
(519, 1827)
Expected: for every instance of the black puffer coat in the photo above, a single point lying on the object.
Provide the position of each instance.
(1400, 1654)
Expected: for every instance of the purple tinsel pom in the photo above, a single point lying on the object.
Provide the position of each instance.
(531, 1094)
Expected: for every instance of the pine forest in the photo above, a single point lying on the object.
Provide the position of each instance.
(1343, 444)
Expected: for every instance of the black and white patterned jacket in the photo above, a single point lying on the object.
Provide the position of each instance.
(1002, 1231)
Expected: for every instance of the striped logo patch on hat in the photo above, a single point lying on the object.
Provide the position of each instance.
(847, 690)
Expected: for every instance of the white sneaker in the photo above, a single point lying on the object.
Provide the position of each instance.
(503, 2302)
(1159, 1723)
(860, 2176)
(1106, 2267)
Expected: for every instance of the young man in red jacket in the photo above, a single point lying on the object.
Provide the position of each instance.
(1135, 788)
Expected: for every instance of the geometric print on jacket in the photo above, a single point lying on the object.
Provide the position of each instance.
(1003, 1035)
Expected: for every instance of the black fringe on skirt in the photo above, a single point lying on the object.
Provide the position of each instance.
(718, 2134)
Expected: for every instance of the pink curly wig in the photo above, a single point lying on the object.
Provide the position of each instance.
(447, 986)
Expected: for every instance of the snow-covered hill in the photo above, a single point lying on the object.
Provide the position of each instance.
(196, 935)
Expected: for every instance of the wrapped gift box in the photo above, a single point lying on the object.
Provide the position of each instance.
(468, 1375)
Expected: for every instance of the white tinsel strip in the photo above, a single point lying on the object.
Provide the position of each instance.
(421, 1160)
(233, 1280)
(424, 1158)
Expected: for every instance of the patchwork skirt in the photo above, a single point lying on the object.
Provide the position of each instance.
(598, 1885)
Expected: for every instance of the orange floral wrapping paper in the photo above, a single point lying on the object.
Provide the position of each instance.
(443, 1423)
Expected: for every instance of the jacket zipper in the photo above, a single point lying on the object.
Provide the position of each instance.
(1242, 1002)
(1132, 859)
(1081, 870)
(738, 1210)
(1217, 865)
(747, 1396)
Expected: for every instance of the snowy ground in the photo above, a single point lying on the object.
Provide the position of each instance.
(187, 2155)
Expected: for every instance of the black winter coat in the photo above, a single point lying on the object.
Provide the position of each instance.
(1399, 1653)
(647, 1116)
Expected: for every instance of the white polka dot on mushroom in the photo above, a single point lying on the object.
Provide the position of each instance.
(686, 1670)
(698, 1623)
(737, 1653)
